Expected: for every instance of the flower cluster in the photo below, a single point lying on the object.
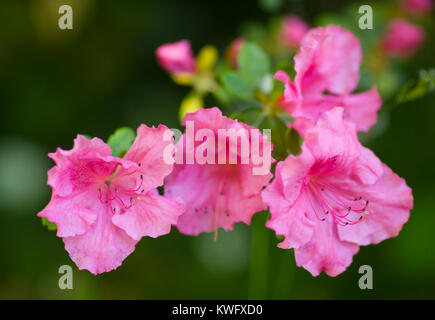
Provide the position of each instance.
(327, 194)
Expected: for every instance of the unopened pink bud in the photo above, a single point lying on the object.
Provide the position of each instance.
(402, 38)
(176, 57)
(293, 30)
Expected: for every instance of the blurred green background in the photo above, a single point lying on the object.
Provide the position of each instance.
(103, 75)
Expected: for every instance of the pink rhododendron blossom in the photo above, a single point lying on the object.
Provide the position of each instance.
(417, 6)
(333, 197)
(103, 205)
(233, 50)
(293, 30)
(220, 194)
(176, 57)
(327, 72)
(402, 38)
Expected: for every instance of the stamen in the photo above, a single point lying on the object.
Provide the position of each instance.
(114, 193)
(338, 203)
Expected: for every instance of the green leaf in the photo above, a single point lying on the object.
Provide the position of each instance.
(271, 6)
(121, 141)
(49, 225)
(237, 85)
(254, 64)
(417, 89)
(278, 131)
(293, 141)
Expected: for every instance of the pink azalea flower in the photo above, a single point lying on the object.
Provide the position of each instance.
(333, 197)
(293, 30)
(216, 195)
(416, 7)
(103, 205)
(402, 38)
(233, 50)
(327, 71)
(176, 57)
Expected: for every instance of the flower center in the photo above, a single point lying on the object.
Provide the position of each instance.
(343, 207)
(119, 197)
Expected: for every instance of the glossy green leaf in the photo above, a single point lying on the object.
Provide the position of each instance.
(254, 64)
(293, 141)
(237, 85)
(121, 141)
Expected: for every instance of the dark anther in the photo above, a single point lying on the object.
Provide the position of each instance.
(360, 198)
(323, 189)
(360, 218)
(139, 164)
(106, 201)
(323, 219)
(367, 202)
(327, 212)
(346, 223)
(141, 176)
(142, 190)
(350, 208)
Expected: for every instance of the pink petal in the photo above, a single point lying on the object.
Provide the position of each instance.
(73, 214)
(326, 252)
(291, 99)
(196, 185)
(362, 108)
(368, 168)
(102, 248)
(210, 118)
(390, 202)
(329, 59)
(301, 125)
(335, 146)
(214, 198)
(79, 167)
(152, 216)
(333, 143)
(287, 215)
(148, 152)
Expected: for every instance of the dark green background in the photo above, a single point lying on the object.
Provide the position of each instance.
(103, 75)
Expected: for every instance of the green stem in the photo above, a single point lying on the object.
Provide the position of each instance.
(258, 275)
